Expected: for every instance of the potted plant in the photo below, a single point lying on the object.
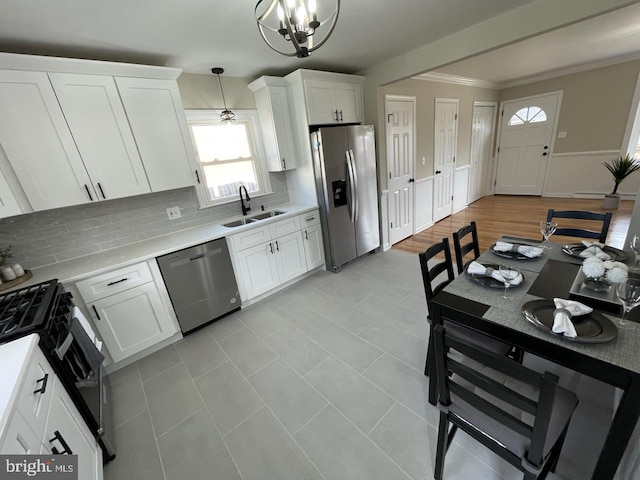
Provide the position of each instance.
(620, 168)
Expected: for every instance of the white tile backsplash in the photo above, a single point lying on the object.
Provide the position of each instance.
(52, 236)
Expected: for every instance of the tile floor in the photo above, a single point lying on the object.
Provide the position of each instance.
(321, 380)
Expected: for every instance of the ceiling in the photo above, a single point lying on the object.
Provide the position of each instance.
(195, 35)
(607, 38)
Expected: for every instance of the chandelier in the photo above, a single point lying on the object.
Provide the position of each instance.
(295, 21)
(226, 116)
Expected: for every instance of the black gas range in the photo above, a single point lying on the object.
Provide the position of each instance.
(48, 310)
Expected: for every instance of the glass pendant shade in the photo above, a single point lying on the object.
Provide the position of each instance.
(226, 116)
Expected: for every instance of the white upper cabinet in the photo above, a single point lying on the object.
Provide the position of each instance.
(9, 205)
(333, 102)
(37, 142)
(275, 123)
(99, 126)
(156, 116)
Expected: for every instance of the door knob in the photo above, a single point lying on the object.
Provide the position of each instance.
(411, 180)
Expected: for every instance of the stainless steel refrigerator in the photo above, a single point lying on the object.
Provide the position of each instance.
(344, 161)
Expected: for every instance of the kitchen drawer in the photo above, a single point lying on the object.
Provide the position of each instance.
(113, 282)
(309, 218)
(284, 227)
(35, 393)
(251, 238)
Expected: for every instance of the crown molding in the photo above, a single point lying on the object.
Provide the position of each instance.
(456, 80)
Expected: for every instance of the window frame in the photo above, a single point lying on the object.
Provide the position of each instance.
(212, 117)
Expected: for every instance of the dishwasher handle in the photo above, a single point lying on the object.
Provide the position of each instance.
(197, 257)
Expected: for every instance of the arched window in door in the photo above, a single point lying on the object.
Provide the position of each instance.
(528, 115)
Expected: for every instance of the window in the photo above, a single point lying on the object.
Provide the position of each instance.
(528, 115)
(229, 155)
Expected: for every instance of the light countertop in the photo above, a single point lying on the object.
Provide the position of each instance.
(14, 357)
(79, 268)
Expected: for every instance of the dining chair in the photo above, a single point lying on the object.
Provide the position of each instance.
(435, 278)
(472, 245)
(518, 413)
(604, 218)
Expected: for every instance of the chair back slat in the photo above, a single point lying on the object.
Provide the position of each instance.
(573, 231)
(461, 249)
(490, 409)
(492, 387)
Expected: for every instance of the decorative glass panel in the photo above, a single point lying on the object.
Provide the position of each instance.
(528, 115)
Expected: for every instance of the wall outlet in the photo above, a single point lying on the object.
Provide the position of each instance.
(174, 213)
(562, 134)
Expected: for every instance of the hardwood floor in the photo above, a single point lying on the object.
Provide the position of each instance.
(499, 215)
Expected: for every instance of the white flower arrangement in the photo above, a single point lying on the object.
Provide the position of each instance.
(614, 272)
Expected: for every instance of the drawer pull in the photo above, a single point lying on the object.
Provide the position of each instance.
(43, 386)
(58, 436)
(95, 310)
(310, 218)
(117, 281)
(306, 236)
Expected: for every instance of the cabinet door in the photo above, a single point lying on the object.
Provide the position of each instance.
(19, 438)
(99, 126)
(9, 206)
(257, 268)
(283, 129)
(36, 140)
(321, 107)
(313, 247)
(132, 320)
(156, 115)
(348, 102)
(290, 257)
(36, 392)
(65, 419)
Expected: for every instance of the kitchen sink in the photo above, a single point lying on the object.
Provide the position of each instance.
(238, 223)
(264, 215)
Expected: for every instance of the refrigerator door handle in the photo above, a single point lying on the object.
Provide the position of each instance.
(355, 185)
(352, 186)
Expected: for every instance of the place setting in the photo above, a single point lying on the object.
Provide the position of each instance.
(491, 275)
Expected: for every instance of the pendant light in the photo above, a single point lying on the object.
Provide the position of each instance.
(226, 116)
(295, 21)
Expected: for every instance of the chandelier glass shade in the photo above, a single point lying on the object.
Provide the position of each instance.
(295, 23)
(226, 116)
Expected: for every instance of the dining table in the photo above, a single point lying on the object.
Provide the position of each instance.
(552, 275)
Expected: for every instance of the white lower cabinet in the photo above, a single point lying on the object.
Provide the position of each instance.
(44, 420)
(66, 432)
(127, 309)
(268, 256)
(313, 246)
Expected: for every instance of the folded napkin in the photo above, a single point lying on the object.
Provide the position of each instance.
(565, 309)
(526, 250)
(594, 250)
(476, 268)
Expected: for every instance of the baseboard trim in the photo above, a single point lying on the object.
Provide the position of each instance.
(422, 228)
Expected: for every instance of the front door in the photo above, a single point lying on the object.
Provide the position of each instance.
(444, 156)
(481, 144)
(400, 167)
(527, 127)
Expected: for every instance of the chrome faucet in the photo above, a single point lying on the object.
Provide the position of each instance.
(245, 208)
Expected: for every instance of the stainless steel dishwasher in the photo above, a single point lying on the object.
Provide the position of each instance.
(201, 283)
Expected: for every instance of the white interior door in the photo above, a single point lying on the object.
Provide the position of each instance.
(400, 167)
(444, 156)
(480, 155)
(526, 132)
